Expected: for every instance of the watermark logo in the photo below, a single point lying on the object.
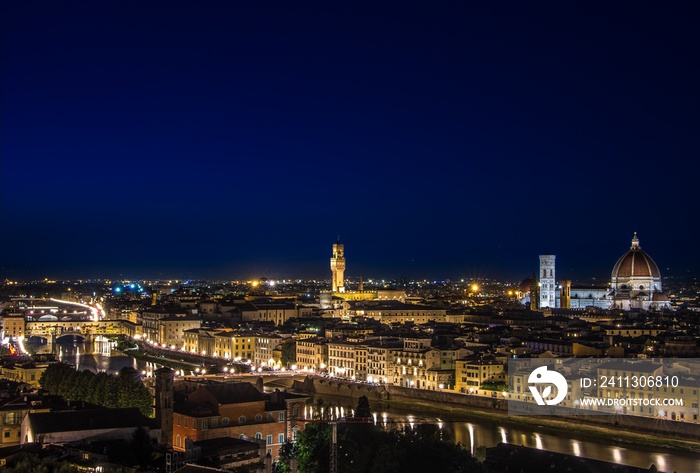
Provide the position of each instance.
(551, 378)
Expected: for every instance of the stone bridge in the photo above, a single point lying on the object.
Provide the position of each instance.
(87, 329)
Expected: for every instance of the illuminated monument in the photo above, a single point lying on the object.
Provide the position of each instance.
(338, 267)
(341, 291)
(548, 287)
(636, 281)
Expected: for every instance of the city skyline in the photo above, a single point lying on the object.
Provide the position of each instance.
(352, 282)
(236, 141)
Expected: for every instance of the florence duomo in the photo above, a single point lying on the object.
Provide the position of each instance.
(635, 283)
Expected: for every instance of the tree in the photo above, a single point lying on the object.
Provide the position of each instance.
(287, 452)
(124, 390)
(363, 409)
(53, 375)
(93, 387)
(141, 447)
(386, 460)
(79, 390)
(110, 393)
(32, 463)
(367, 448)
(313, 448)
(67, 383)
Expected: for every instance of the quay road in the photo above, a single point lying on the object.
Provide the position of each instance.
(176, 358)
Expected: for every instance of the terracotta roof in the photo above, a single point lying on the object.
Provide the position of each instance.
(68, 421)
(233, 393)
(635, 263)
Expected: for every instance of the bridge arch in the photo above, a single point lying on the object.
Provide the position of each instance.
(72, 334)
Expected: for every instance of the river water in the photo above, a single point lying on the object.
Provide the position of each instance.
(97, 357)
(472, 433)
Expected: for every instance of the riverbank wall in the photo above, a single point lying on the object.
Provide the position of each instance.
(496, 406)
(335, 387)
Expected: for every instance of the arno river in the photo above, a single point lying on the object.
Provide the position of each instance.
(470, 433)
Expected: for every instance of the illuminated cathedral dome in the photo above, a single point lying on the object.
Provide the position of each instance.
(636, 280)
(635, 264)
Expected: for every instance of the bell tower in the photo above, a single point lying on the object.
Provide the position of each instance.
(164, 406)
(548, 288)
(338, 267)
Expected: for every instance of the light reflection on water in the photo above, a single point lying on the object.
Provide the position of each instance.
(101, 358)
(97, 357)
(477, 432)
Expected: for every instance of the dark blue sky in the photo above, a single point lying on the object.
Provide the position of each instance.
(442, 139)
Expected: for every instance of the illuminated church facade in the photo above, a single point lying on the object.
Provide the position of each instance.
(635, 283)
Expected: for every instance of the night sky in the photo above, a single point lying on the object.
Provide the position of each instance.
(238, 139)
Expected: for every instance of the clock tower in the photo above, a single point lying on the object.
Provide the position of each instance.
(338, 267)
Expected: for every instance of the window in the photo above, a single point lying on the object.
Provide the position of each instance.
(296, 411)
(269, 440)
(187, 421)
(258, 435)
(179, 420)
(258, 417)
(241, 420)
(203, 424)
(280, 438)
(214, 423)
(177, 440)
(280, 416)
